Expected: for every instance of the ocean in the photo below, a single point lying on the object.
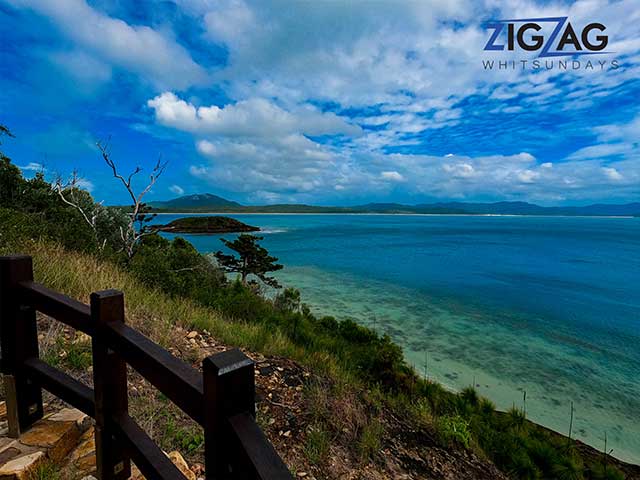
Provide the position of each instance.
(546, 305)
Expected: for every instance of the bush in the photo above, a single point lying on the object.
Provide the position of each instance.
(454, 430)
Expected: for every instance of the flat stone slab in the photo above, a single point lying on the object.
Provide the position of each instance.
(21, 468)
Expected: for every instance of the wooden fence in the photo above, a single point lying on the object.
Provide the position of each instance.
(220, 399)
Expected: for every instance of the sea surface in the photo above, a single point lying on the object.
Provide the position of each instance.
(546, 305)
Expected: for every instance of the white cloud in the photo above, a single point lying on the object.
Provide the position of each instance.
(32, 167)
(612, 174)
(155, 56)
(392, 175)
(85, 184)
(405, 68)
(253, 117)
(177, 189)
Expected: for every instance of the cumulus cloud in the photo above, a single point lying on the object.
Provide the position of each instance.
(612, 174)
(253, 117)
(389, 77)
(139, 49)
(392, 175)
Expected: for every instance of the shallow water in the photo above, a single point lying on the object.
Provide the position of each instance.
(546, 305)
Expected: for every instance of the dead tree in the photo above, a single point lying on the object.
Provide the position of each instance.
(68, 193)
(131, 235)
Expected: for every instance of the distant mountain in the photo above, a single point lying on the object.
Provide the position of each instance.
(524, 208)
(207, 202)
(195, 202)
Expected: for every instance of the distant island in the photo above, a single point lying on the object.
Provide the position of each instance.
(205, 225)
(208, 203)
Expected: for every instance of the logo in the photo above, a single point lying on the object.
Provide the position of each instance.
(550, 37)
(563, 40)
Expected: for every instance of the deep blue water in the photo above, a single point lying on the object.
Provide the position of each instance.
(543, 304)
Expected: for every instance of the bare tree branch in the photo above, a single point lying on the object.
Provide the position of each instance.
(67, 193)
(132, 236)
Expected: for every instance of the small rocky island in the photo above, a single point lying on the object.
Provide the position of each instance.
(213, 224)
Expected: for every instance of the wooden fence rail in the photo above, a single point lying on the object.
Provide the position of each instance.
(221, 398)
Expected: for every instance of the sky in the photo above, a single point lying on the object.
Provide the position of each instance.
(323, 102)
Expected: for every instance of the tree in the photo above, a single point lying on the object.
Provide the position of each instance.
(72, 195)
(130, 235)
(253, 259)
(10, 176)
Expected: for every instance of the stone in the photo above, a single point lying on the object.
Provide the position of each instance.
(9, 453)
(22, 467)
(192, 334)
(179, 461)
(72, 415)
(58, 438)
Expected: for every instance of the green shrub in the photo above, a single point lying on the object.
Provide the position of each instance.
(454, 430)
(602, 471)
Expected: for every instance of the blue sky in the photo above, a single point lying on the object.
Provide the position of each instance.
(320, 102)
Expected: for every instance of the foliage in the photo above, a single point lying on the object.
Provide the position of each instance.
(186, 438)
(252, 259)
(453, 429)
(37, 204)
(176, 267)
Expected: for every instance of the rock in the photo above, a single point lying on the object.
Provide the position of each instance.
(58, 438)
(83, 458)
(83, 422)
(22, 467)
(179, 461)
(192, 334)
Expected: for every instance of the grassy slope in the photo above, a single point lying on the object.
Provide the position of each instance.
(151, 311)
(156, 314)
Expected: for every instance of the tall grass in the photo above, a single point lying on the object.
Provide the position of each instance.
(155, 313)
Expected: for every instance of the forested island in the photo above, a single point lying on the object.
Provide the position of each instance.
(210, 225)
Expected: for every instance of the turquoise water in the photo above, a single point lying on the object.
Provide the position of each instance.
(550, 306)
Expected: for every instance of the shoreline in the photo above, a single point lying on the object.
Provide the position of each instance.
(399, 214)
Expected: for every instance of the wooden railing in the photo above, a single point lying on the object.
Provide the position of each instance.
(220, 399)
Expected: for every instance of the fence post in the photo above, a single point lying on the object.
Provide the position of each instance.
(229, 389)
(110, 387)
(18, 342)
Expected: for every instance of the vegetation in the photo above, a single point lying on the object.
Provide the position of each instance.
(252, 259)
(69, 257)
(211, 224)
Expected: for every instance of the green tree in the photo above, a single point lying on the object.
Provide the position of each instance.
(10, 176)
(252, 259)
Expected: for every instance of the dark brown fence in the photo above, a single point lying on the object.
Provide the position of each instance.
(221, 399)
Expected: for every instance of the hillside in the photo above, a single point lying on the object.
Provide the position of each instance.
(197, 201)
(212, 203)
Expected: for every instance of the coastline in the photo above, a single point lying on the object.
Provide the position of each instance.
(394, 214)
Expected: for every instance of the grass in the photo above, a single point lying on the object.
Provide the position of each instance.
(72, 354)
(46, 471)
(317, 445)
